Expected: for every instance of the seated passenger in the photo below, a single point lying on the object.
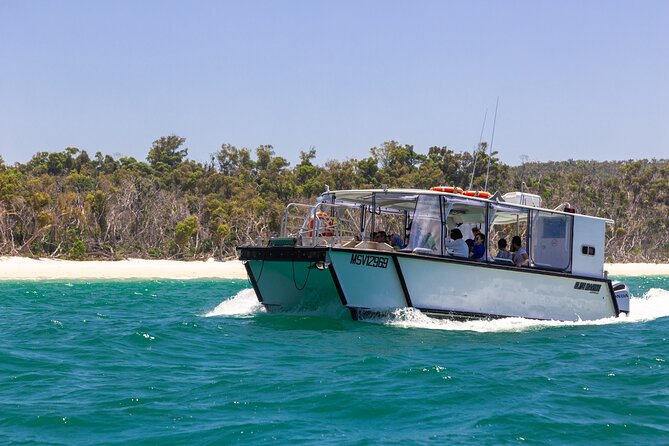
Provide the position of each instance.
(470, 241)
(478, 249)
(470, 245)
(520, 257)
(455, 246)
(503, 253)
(380, 237)
(396, 241)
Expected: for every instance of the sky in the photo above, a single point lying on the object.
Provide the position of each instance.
(575, 79)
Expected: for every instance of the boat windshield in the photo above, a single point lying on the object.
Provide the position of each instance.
(426, 229)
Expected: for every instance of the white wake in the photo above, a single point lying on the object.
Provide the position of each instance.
(244, 303)
(653, 305)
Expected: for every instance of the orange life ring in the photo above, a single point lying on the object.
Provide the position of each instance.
(449, 189)
(476, 193)
(325, 224)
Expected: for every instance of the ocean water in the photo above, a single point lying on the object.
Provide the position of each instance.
(200, 362)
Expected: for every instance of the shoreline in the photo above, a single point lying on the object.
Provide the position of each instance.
(25, 268)
(637, 269)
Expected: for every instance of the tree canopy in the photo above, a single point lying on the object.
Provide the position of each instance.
(70, 204)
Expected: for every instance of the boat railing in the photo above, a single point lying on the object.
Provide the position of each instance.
(324, 224)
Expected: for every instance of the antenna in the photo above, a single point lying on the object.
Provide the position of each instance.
(471, 179)
(492, 139)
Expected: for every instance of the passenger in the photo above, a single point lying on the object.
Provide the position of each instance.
(455, 246)
(520, 257)
(470, 241)
(503, 253)
(380, 237)
(396, 241)
(478, 250)
(470, 245)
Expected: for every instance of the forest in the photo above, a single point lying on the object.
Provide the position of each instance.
(72, 205)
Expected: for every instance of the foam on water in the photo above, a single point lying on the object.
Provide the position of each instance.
(653, 305)
(244, 303)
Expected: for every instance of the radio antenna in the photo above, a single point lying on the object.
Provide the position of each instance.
(476, 150)
(492, 138)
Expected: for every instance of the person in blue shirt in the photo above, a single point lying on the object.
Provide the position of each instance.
(478, 250)
(396, 241)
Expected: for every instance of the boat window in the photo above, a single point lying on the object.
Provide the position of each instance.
(394, 202)
(389, 213)
(551, 240)
(465, 201)
(426, 235)
(505, 222)
(467, 215)
(588, 250)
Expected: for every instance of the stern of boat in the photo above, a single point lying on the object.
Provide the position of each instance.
(622, 294)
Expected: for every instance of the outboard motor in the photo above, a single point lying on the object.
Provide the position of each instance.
(622, 296)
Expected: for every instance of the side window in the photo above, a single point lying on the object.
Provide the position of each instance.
(426, 234)
(551, 240)
(588, 250)
(506, 222)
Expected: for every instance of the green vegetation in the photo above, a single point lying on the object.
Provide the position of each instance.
(71, 205)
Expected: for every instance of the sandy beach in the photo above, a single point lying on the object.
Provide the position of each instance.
(637, 269)
(23, 268)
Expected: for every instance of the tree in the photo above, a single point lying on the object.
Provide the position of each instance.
(185, 231)
(71, 204)
(165, 152)
(230, 159)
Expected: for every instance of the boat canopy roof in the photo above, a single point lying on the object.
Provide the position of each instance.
(405, 200)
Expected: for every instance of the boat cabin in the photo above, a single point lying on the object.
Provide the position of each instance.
(420, 222)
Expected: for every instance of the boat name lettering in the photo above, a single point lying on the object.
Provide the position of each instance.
(369, 260)
(585, 286)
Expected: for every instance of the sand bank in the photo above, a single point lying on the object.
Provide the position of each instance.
(637, 269)
(25, 268)
(19, 268)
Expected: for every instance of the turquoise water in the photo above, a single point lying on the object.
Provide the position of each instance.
(199, 362)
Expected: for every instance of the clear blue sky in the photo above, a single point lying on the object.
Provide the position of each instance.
(576, 79)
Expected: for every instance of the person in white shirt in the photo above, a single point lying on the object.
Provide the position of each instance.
(455, 245)
(520, 257)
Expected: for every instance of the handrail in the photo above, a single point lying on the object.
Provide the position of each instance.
(313, 225)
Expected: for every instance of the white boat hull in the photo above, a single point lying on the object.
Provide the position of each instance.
(442, 286)
(368, 281)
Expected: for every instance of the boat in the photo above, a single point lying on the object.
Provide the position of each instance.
(373, 251)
